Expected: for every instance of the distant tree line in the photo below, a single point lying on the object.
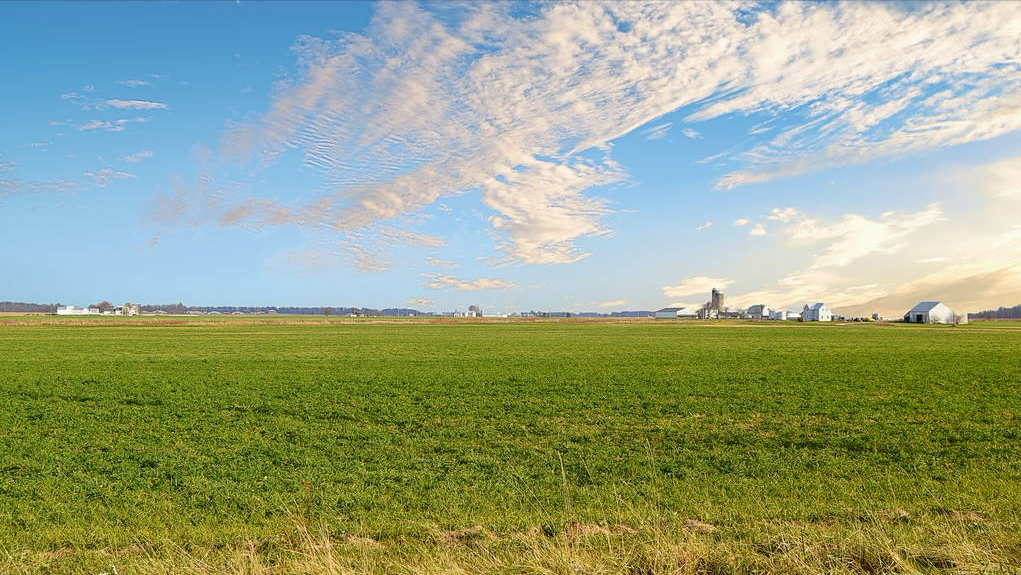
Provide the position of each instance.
(999, 313)
(180, 308)
(21, 306)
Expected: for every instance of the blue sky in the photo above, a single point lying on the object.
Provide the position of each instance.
(578, 156)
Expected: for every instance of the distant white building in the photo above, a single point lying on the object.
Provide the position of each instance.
(668, 313)
(759, 311)
(75, 310)
(929, 312)
(779, 314)
(677, 313)
(816, 312)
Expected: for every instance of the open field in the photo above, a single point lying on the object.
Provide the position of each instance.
(265, 445)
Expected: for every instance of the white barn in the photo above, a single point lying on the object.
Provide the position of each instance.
(759, 311)
(677, 313)
(816, 312)
(668, 313)
(929, 312)
(75, 310)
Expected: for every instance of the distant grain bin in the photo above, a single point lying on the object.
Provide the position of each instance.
(717, 300)
(929, 312)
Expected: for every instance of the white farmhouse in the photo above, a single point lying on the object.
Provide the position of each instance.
(929, 312)
(816, 312)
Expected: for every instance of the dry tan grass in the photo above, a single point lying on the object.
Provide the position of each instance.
(680, 547)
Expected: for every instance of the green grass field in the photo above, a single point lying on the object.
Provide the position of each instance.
(163, 445)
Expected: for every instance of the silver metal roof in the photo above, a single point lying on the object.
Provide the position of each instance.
(924, 306)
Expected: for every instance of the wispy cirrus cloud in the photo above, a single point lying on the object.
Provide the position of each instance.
(133, 83)
(524, 110)
(138, 156)
(441, 263)
(613, 303)
(136, 105)
(15, 186)
(118, 125)
(102, 178)
(435, 281)
(657, 132)
(421, 301)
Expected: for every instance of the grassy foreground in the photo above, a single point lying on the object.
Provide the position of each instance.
(271, 446)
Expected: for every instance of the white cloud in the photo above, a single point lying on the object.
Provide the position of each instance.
(854, 236)
(12, 187)
(138, 156)
(657, 132)
(136, 105)
(708, 224)
(613, 303)
(758, 230)
(420, 301)
(133, 83)
(741, 222)
(103, 177)
(783, 215)
(8, 166)
(697, 285)
(874, 265)
(691, 133)
(114, 126)
(441, 263)
(421, 107)
(435, 281)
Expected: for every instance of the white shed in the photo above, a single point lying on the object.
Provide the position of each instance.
(929, 312)
(816, 312)
(677, 312)
(668, 313)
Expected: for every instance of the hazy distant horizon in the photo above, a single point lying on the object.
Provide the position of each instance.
(589, 156)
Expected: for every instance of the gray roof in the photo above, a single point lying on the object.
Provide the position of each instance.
(924, 306)
(670, 309)
(817, 305)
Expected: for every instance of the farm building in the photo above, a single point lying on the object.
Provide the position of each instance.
(677, 312)
(75, 310)
(816, 312)
(759, 311)
(126, 309)
(782, 314)
(929, 312)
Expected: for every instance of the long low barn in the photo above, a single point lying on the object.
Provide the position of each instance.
(930, 312)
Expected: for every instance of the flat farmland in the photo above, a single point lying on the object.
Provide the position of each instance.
(155, 445)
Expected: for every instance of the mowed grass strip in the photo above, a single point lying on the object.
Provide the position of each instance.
(163, 439)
